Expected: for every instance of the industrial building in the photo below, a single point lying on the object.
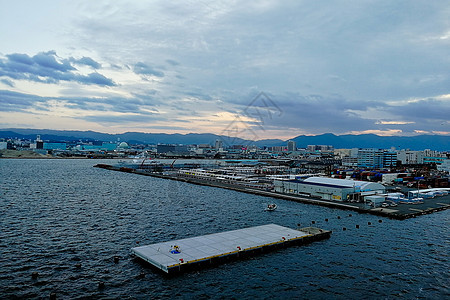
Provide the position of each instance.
(174, 149)
(54, 146)
(329, 188)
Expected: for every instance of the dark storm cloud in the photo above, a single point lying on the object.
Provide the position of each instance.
(44, 67)
(144, 69)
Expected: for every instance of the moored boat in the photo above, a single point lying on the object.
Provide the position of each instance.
(271, 207)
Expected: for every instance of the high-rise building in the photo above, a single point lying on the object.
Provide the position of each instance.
(39, 142)
(389, 159)
(219, 144)
(370, 158)
(410, 157)
(291, 146)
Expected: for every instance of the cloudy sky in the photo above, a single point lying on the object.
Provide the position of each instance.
(274, 68)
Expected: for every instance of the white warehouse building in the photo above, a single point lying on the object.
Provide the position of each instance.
(329, 188)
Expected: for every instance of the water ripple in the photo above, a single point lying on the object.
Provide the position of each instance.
(66, 221)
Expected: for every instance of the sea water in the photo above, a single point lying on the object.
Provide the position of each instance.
(67, 221)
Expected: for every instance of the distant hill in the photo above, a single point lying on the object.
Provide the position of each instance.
(420, 142)
(130, 137)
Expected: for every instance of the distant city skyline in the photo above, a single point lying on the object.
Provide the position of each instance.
(264, 69)
(323, 141)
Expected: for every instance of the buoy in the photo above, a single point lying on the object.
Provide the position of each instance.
(298, 225)
(313, 222)
(349, 215)
(368, 223)
(326, 220)
(116, 259)
(339, 217)
(137, 242)
(357, 226)
(34, 275)
(344, 229)
(52, 296)
(380, 221)
(101, 285)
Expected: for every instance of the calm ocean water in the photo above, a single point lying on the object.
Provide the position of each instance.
(56, 214)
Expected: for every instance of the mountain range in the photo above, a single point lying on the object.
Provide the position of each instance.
(419, 142)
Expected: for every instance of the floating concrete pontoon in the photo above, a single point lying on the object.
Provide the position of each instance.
(175, 256)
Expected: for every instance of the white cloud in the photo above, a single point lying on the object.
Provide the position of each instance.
(393, 122)
(389, 132)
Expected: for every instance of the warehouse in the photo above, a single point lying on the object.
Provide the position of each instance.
(328, 188)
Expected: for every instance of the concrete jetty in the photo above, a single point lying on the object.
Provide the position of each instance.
(400, 213)
(184, 254)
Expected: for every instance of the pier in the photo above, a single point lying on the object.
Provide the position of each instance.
(401, 212)
(184, 254)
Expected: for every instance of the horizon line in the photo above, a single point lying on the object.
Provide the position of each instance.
(206, 133)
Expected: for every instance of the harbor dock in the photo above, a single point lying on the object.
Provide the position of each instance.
(402, 212)
(184, 254)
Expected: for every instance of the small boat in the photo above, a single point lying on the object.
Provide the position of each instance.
(271, 207)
